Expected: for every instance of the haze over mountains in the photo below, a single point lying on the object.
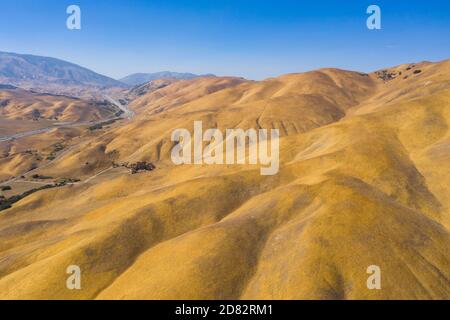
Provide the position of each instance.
(141, 78)
(363, 181)
(50, 74)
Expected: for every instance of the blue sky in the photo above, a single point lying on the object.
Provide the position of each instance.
(253, 39)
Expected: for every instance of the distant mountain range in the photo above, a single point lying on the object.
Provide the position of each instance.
(23, 68)
(136, 79)
(51, 75)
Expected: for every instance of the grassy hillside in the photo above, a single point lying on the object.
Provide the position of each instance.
(363, 181)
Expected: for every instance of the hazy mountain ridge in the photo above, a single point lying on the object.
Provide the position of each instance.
(52, 75)
(363, 164)
(136, 79)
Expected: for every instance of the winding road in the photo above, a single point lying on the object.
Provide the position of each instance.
(127, 114)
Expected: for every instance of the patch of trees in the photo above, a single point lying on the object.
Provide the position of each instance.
(385, 75)
(35, 114)
(137, 167)
(141, 166)
(99, 126)
(6, 203)
(40, 177)
(56, 148)
(63, 181)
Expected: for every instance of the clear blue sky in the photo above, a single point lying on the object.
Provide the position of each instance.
(254, 39)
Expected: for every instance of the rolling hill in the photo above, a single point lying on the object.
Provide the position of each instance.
(20, 104)
(363, 180)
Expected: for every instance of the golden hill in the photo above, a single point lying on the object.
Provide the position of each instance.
(363, 180)
(24, 111)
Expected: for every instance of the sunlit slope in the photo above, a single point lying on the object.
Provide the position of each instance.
(355, 199)
(366, 185)
(180, 92)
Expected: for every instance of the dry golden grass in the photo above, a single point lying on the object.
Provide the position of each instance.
(364, 180)
(19, 104)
